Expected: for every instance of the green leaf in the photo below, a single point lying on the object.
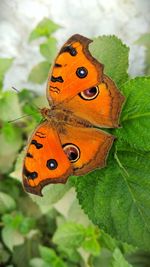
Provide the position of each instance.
(69, 235)
(11, 133)
(26, 251)
(111, 52)
(45, 28)
(10, 144)
(7, 203)
(39, 73)
(103, 259)
(75, 212)
(91, 245)
(4, 255)
(30, 110)
(135, 117)
(11, 237)
(5, 64)
(118, 260)
(37, 262)
(106, 241)
(119, 199)
(9, 106)
(50, 257)
(19, 222)
(71, 254)
(49, 49)
(51, 194)
(26, 225)
(12, 221)
(144, 40)
(11, 137)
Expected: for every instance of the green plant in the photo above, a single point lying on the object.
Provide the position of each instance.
(53, 230)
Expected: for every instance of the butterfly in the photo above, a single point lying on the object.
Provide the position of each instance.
(82, 100)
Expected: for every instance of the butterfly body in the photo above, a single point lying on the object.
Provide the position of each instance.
(58, 117)
(82, 100)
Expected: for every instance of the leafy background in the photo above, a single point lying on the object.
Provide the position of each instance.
(113, 226)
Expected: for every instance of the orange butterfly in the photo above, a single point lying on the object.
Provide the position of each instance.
(81, 98)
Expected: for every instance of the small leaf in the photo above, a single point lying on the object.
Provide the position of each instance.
(50, 257)
(7, 203)
(92, 246)
(118, 260)
(4, 255)
(11, 237)
(26, 225)
(9, 106)
(30, 110)
(144, 40)
(111, 52)
(56, 191)
(70, 253)
(119, 200)
(26, 251)
(37, 262)
(12, 221)
(135, 117)
(12, 138)
(26, 95)
(69, 235)
(9, 148)
(45, 28)
(5, 64)
(39, 73)
(49, 49)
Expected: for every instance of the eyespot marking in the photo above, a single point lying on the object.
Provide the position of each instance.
(72, 152)
(52, 164)
(90, 94)
(81, 72)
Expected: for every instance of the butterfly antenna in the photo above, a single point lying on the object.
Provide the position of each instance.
(15, 89)
(20, 118)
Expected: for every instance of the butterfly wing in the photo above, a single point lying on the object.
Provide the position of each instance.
(78, 84)
(53, 155)
(74, 70)
(45, 161)
(86, 148)
(100, 105)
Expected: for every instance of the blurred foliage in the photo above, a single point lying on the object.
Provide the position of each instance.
(53, 230)
(48, 49)
(144, 40)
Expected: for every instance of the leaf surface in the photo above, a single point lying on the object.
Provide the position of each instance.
(110, 51)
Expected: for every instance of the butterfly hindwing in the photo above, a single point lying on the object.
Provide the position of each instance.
(100, 105)
(90, 146)
(53, 155)
(45, 161)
